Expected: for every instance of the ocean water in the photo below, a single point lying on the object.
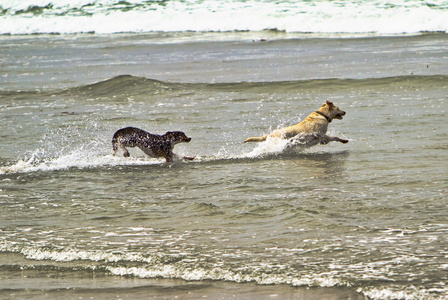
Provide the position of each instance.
(363, 220)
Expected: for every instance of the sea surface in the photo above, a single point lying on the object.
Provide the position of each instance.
(363, 220)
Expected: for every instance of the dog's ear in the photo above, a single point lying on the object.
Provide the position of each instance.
(329, 103)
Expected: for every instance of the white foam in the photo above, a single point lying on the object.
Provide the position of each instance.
(386, 293)
(74, 160)
(273, 146)
(219, 273)
(69, 255)
(109, 16)
(270, 146)
(16, 168)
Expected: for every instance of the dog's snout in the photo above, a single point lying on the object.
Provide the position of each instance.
(342, 112)
(188, 139)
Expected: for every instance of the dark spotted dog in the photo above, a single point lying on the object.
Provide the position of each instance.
(151, 144)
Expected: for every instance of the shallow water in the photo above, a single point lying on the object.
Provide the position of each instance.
(363, 219)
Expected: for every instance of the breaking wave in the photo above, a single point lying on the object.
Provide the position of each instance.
(114, 16)
(191, 267)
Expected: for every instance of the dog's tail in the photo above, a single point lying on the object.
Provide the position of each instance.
(256, 139)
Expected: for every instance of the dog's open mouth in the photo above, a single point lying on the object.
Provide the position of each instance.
(340, 115)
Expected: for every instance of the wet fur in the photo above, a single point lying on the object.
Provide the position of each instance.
(312, 130)
(151, 144)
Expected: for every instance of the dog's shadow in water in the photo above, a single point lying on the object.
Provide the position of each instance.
(328, 165)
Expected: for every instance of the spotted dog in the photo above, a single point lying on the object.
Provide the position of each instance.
(151, 144)
(312, 130)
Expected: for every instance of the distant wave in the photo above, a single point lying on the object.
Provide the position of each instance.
(134, 85)
(128, 85)
(114, 16)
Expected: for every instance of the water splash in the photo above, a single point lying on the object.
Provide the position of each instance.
(84, 147)
(274, 146)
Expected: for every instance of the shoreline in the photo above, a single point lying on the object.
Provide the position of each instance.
(74, 286)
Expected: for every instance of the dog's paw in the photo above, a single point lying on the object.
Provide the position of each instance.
(189, 157)
(343, 141)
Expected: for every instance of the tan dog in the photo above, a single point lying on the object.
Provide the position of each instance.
(312, 130)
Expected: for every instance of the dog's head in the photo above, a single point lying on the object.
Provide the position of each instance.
(332, 111)
(177, 137)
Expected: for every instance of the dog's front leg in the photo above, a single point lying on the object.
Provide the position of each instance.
(336, 139)
(326, 139)
(177, 156)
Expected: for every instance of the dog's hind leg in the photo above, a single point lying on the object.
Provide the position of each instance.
(256, 139)
(125, 152)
